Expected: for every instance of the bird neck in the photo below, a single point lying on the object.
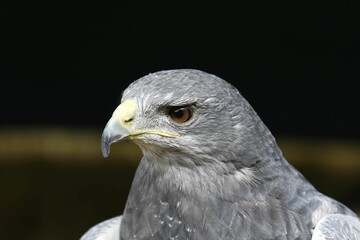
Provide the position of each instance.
(166, 186)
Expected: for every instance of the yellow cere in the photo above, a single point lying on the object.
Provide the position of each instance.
(126, 111)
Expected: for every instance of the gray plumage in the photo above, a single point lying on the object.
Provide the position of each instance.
(224, 177)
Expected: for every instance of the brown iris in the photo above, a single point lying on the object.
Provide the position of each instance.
(181, 114)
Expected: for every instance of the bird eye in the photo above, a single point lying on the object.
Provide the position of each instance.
(181, 114)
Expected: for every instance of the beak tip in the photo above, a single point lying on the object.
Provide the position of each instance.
(105, 146)
(105, 153)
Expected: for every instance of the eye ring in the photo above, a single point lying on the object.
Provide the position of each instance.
(181, 114)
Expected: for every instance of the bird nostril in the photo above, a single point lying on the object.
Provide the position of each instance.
(128, 120)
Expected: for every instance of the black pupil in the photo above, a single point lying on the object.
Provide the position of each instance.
(179, 113)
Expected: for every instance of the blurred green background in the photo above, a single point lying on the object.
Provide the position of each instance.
(54, 183)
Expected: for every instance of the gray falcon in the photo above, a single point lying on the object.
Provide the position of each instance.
(211, 169)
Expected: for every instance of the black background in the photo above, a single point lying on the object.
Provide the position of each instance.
(296, 62)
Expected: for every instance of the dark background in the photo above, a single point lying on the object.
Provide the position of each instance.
(62, 72)
(297, 63)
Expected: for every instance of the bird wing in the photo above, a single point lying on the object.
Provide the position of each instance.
(106, 230)
(337, 227)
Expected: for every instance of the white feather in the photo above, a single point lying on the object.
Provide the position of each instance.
(337, 227)
(106, 230)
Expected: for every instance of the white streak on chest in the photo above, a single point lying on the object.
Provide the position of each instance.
(244, 175)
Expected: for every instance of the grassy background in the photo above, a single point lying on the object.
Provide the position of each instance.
(54, 183)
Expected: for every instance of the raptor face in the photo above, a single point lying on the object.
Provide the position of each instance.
(191, 112)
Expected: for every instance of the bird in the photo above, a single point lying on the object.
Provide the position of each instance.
(210, 169)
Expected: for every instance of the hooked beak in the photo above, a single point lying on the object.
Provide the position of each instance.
(118, 127)
(114, 131)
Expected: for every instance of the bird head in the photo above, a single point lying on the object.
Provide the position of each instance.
(187, 112)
